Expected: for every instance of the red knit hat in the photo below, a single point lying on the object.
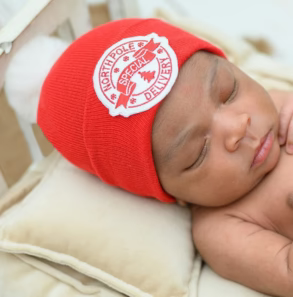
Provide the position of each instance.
(99, 101)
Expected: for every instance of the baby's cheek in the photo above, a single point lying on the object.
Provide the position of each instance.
(290, 200)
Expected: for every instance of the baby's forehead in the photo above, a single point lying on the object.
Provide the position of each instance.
(194, 73)
(192, 77)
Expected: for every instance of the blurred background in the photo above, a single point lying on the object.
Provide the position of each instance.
(265, 24)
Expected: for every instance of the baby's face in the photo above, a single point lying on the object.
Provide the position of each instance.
(208, 130)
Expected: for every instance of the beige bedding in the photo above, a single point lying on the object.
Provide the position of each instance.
(72, 235)
(65, 233)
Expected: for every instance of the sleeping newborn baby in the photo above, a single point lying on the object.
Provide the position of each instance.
(220, 131)
(160, 113)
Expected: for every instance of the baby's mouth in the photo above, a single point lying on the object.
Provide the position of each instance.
(264, 148)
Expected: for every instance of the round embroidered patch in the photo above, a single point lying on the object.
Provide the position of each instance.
(135, 74)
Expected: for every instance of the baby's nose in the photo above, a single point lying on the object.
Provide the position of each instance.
(235, 130)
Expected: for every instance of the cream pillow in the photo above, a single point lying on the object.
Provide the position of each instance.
(20, 279)
(137, 246)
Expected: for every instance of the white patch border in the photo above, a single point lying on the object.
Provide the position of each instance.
(126, 112)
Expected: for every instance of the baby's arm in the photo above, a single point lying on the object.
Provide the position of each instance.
(244, 252)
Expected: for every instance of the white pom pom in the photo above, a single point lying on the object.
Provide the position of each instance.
(27, 72)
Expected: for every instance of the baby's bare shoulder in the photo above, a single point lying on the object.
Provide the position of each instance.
(210, 222)
(237, 249)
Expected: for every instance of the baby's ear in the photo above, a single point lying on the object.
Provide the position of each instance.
(181, 203)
